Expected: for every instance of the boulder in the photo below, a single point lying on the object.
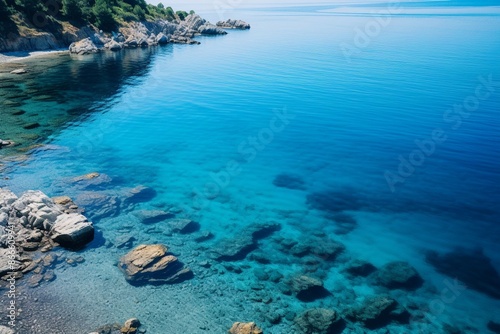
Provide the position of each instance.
(152, 216)
(72, 230)
(151, 264)
(183, 226)
(378, 311)
(210, 29)
(244, 242)
(138, 194)
(307, 288)
(360, 268)
(98, 205)
(161, 39)
(7, 198)
(36, 210)
(245, 328)
(320, 321)
(113, 45)
(85, 46)
(233, 24)
(398, 275)
(130, 326)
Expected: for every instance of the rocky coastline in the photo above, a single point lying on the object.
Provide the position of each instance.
(89, 39)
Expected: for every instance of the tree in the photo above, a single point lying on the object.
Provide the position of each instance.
(181, 14)
(140, 13)
(104, 15)
(4, 9)
(161, 6)
(191, 12)
(72, 9)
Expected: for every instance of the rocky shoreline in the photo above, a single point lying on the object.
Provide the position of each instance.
(136, 34)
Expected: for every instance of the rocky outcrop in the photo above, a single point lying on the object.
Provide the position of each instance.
(34, 223)
(87, 40)
(320, 321)
(233, 24)
(151, 264)
(398, 275)
(152, 216)
(245, 328)
(307, 288)
(378, 311)
(85, 46)
(244, 242)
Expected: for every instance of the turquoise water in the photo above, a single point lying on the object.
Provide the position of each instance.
(210, 127)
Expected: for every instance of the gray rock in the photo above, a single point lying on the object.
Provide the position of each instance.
(161, 39)
(307, 288)
(183, 226)
(210, 29)
(378, 311)
(113, 45)
(320, 321)
(233, 24)
(38, 210)
(72, 230)
(138, 194)
(152, 216)
(398, 275)
(84, 46)
(98, 205)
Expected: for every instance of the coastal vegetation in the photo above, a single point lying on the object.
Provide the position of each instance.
(17, 16)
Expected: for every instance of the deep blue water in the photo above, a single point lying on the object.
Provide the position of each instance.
(288, 97)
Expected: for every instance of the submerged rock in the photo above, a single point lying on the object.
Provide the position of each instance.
(233, 24)
(335, 201)
(472, 267)
(98, 205)
(237, 248)
(289, 181)
(152, 216)
(138, 194)
(398, 275)
(151, 264)
(307, 288)
(183, 226)
(378, 311)
(494, 327)
(320, 321)
(245, 328)
(360, 268)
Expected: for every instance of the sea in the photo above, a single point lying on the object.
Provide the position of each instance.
(376, 126)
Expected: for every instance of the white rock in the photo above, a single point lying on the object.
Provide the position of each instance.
(72, 230)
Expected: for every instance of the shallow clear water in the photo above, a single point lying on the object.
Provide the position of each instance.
(284, 98)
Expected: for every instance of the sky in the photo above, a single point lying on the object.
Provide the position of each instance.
(213, 5)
